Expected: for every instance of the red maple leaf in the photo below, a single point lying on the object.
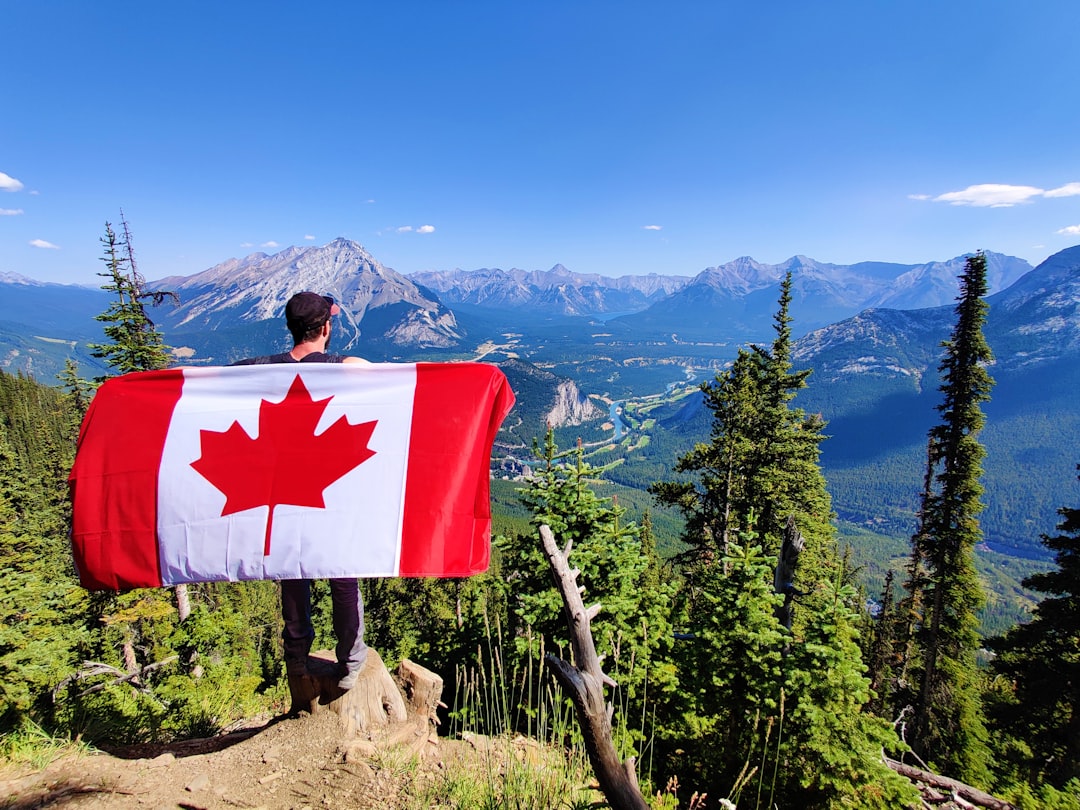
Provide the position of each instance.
(288, 463)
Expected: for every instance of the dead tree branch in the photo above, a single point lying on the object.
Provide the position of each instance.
(91, 669)
(965, 792)
(585, 684)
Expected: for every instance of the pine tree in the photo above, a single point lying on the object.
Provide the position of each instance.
(1041, 659)
(948, 727)
(780, 716)
(831, 746)
(41, 604)
(763, 458)
(734, 651)
(134, 344)
(79, 390)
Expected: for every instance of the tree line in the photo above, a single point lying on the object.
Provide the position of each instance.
(748, 665)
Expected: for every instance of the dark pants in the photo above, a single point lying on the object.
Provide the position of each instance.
(298, 633)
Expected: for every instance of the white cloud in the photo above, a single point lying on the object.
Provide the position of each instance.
(405, 229)
(426, 229)
(999, 195)
(10, 212)
(41, 243)
(270, 244)
(309, 237)
(9, 183)
(991, 195)
(652, 227)
(1072, 230)
(1067, 190)
(246, 245)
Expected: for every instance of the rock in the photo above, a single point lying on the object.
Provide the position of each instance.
(162, 761)
(571, 407)
(198, 783)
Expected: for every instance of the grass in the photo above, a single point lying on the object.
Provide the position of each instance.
(30, 746)
(522, 728)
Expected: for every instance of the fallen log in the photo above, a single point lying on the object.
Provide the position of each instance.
(957, 788)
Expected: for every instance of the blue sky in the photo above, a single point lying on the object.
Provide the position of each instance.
(611, 137)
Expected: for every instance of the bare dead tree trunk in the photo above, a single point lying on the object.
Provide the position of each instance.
(965, 792)
(784, 579)
(585, 684)
(131, 663)
(183, 602)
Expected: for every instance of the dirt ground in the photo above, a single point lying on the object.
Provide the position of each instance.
(296, 763)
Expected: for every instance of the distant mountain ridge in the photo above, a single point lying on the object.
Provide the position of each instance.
(875, 377)
(740, 297)
(1042, 304)
(875, 369)
(556, 291)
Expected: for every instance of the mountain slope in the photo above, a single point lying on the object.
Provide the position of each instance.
(875, 380)
(379, 306)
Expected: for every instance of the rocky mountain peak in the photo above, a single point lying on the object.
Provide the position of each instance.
(257, 288)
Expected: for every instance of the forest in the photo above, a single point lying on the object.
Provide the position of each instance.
(750, 663)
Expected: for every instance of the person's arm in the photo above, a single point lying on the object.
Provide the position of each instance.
(355, 360)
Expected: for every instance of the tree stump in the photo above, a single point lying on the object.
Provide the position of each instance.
(373, 704)
(379, 710)
(422, 689)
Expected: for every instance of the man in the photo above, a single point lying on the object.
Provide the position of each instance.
(308, 317)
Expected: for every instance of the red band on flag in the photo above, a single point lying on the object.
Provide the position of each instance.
(447, 488)
(114, 528)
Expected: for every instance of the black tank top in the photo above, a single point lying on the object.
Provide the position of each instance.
(285, 357)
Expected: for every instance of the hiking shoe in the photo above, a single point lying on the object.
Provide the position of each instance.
(348, 680)
(349, 675)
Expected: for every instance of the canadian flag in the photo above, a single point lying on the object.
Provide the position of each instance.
(286, 471)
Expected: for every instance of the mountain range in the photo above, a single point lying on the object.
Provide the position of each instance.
(553, 292)
(231, 309)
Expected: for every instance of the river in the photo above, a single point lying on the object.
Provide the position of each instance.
(620, 425)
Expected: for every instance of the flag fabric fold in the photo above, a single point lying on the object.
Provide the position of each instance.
(285, 472)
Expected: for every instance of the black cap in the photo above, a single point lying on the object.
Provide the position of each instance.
(308, 310)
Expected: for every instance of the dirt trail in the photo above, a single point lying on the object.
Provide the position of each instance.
(289, 764)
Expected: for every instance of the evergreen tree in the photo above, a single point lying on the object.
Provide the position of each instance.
(831, 746)
(778, 717)
(134, 344)
(780, 712)
(735, 651)
(881, 655)
(763, 458)
(763, 455)
(943, 587)
(1041, 660)
(79, 390)
(41, 604)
